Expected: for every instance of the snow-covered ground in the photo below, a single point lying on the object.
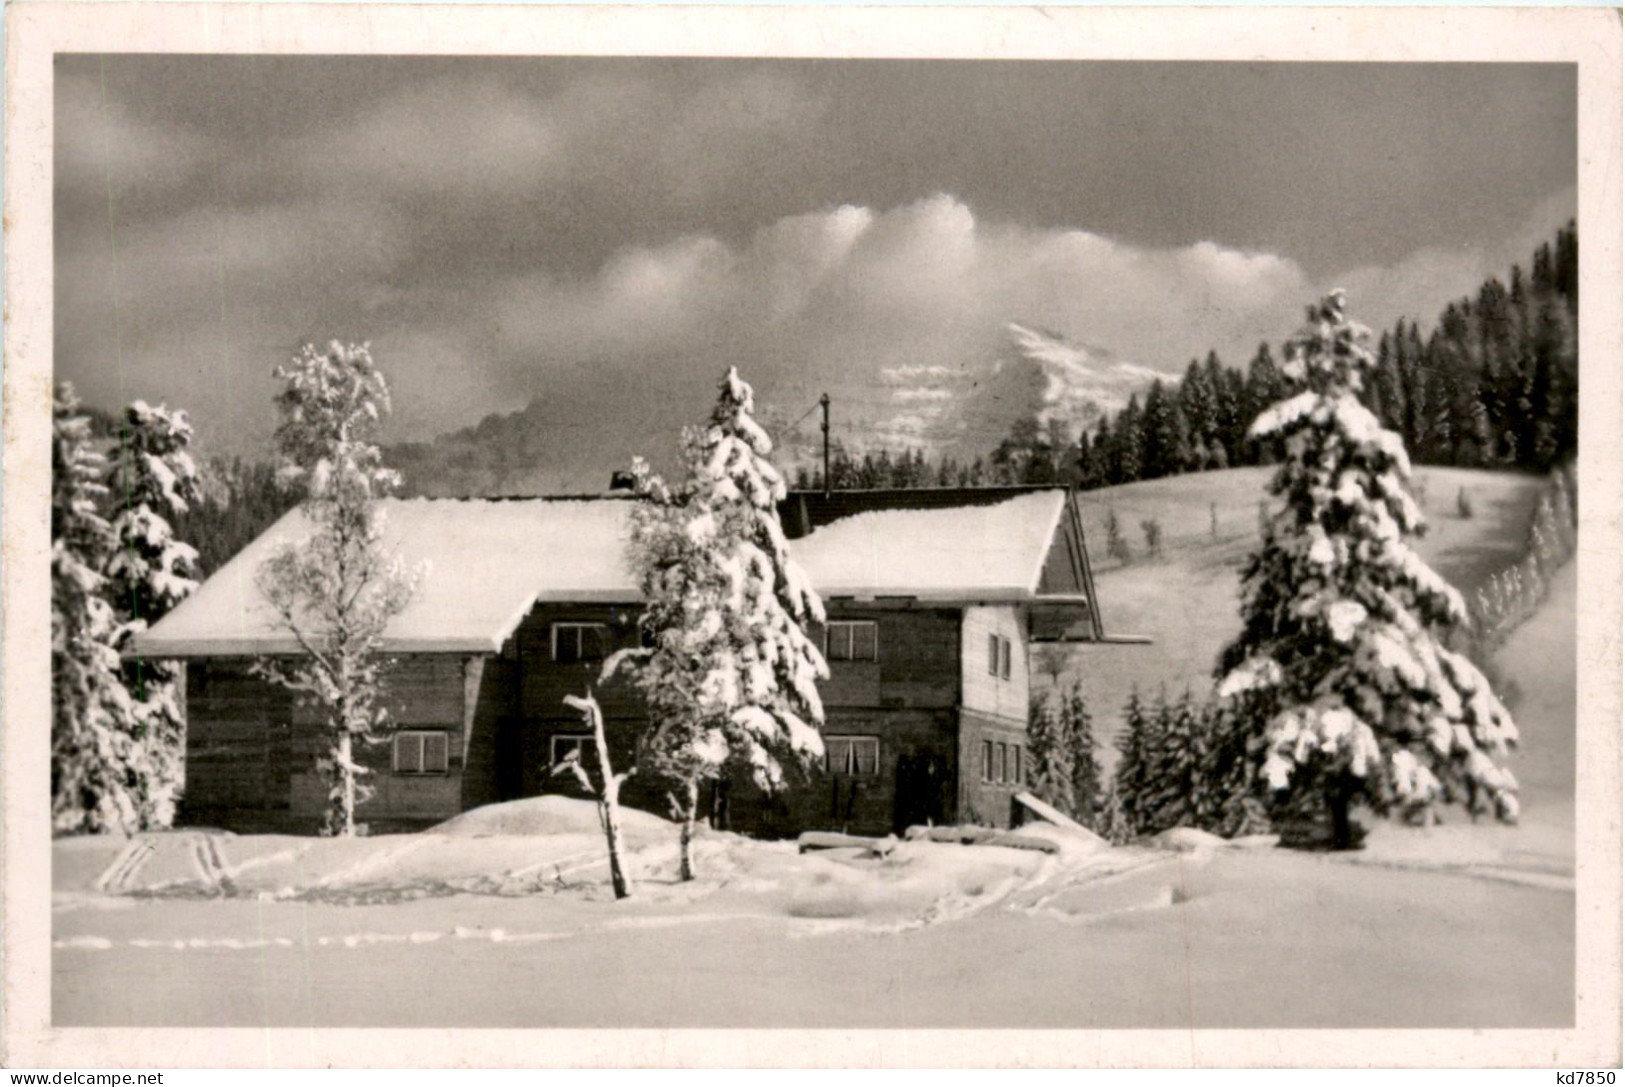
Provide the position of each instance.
(502, 918)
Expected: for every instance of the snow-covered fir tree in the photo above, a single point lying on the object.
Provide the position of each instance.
(1177, 778)
(1049, 763)
(336, 589)
(94, 759)
(1231, 774)
(153, 480)
(1341, 657)
(1136, 748)
(1078, 730)
(1113, 824)
(730, 675)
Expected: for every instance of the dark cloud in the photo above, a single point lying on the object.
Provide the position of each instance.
(606, 234)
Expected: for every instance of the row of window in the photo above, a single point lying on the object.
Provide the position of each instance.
(418, 751)
(1001, 763)
(858, 756)
(421, 751)
(844, 640)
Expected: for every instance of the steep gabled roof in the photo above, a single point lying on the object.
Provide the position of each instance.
(490, 562)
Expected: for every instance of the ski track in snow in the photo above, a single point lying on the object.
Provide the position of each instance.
(1032, 893)
(120, 875)
(1020, 891)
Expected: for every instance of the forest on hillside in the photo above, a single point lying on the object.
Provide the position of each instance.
(1494, 384)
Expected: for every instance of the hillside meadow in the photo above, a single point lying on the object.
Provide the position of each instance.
(1187, 601)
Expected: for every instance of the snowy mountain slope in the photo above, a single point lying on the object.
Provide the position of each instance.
(1079, 382)
(966, 411)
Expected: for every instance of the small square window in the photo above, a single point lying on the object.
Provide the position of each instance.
(421, 752)
(858, 756)
(573, 642)
(563, 745)
(851, 640)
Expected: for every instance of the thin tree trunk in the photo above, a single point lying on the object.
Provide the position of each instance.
(610, 812)
(685, 850)
(347, 781)
(346, 752)
(609, 792)
(1342, 826)
(609, 807)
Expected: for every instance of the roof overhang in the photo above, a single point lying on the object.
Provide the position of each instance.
(284, 646)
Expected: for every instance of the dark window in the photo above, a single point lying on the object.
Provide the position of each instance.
(987, 760)
(1004, 657)
(855, 755)
(580, 745)
(418, 752)
(579, 642)
(1015, 764)
(992, 654)
(851, 640)
(999, 764)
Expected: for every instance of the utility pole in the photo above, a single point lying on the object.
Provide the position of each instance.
(823, 402)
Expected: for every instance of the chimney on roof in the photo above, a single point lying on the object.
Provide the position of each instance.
(622, 481)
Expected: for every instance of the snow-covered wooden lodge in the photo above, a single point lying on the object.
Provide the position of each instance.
(933, 598)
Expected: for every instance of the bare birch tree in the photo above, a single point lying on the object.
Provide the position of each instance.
(607, 789)
(337, 588)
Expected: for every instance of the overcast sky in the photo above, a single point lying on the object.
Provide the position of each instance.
(608, 234)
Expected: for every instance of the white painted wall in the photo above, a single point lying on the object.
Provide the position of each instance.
(985, 692)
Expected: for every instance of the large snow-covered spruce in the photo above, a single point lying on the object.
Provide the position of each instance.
(95, 761)
(336, 589)
(729, 674)
(1341, 663)
(150, 571)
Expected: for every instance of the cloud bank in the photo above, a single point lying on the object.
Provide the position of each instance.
(608, 239)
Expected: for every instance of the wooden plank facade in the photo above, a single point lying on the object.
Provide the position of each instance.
(925, 717)
(906, 712)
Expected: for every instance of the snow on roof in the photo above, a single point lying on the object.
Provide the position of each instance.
(960, 553)
(490, 562)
